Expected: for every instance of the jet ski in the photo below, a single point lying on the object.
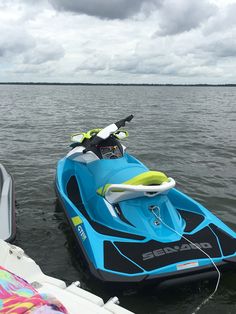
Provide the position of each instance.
(132, 225)
(7, 206)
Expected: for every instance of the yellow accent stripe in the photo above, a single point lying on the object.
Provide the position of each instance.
(148, 178)
(76, 220)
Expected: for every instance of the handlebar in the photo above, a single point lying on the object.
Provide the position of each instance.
(121, 123)
(107, 131)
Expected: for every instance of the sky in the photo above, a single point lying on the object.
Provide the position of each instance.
(118, 41)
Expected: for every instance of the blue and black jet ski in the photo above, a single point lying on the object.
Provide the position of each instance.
(132, 225)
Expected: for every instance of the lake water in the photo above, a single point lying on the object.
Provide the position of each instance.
(187, 132)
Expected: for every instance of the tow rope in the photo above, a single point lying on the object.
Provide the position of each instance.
(197, 247)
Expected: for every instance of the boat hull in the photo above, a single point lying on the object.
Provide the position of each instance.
(7, 206)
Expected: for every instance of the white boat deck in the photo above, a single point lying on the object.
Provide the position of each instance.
(75, 299)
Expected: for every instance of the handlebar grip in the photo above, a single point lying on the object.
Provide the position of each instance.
(121, 123)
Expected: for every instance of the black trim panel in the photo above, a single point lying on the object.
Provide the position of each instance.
(153, 254)
(192, 219)
(227, 243)
(113, 260)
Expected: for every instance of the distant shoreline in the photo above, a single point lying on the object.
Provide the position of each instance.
(116, 84)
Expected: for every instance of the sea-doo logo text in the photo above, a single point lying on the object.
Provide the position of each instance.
(175, 249)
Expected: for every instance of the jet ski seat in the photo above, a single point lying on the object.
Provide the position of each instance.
(149, 183)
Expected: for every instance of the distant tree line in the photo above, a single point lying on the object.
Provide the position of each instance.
(113, 84)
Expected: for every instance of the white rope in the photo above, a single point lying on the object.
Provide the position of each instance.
(217, 269)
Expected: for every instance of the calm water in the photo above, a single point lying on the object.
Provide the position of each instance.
(189, 133)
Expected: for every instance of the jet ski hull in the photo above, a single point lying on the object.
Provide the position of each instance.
(128, 256)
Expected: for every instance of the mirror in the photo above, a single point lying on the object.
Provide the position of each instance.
(78, 138)
(121, 134)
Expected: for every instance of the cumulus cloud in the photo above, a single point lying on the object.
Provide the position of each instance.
(110, 9)
(183, 15)
(222, 21)
(112, 41)
(44, 51)
(219, 48)
(18, 44)
(14, 41)
(94, 64)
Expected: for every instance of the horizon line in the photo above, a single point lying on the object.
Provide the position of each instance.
(117, 84)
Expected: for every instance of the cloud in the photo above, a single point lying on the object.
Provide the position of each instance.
(222, 21)
(219, 48)
(19, 44)
(44, 51)
(93, 64)
(110, 9)
(183, 15)
(112, 41)
(14, 41)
